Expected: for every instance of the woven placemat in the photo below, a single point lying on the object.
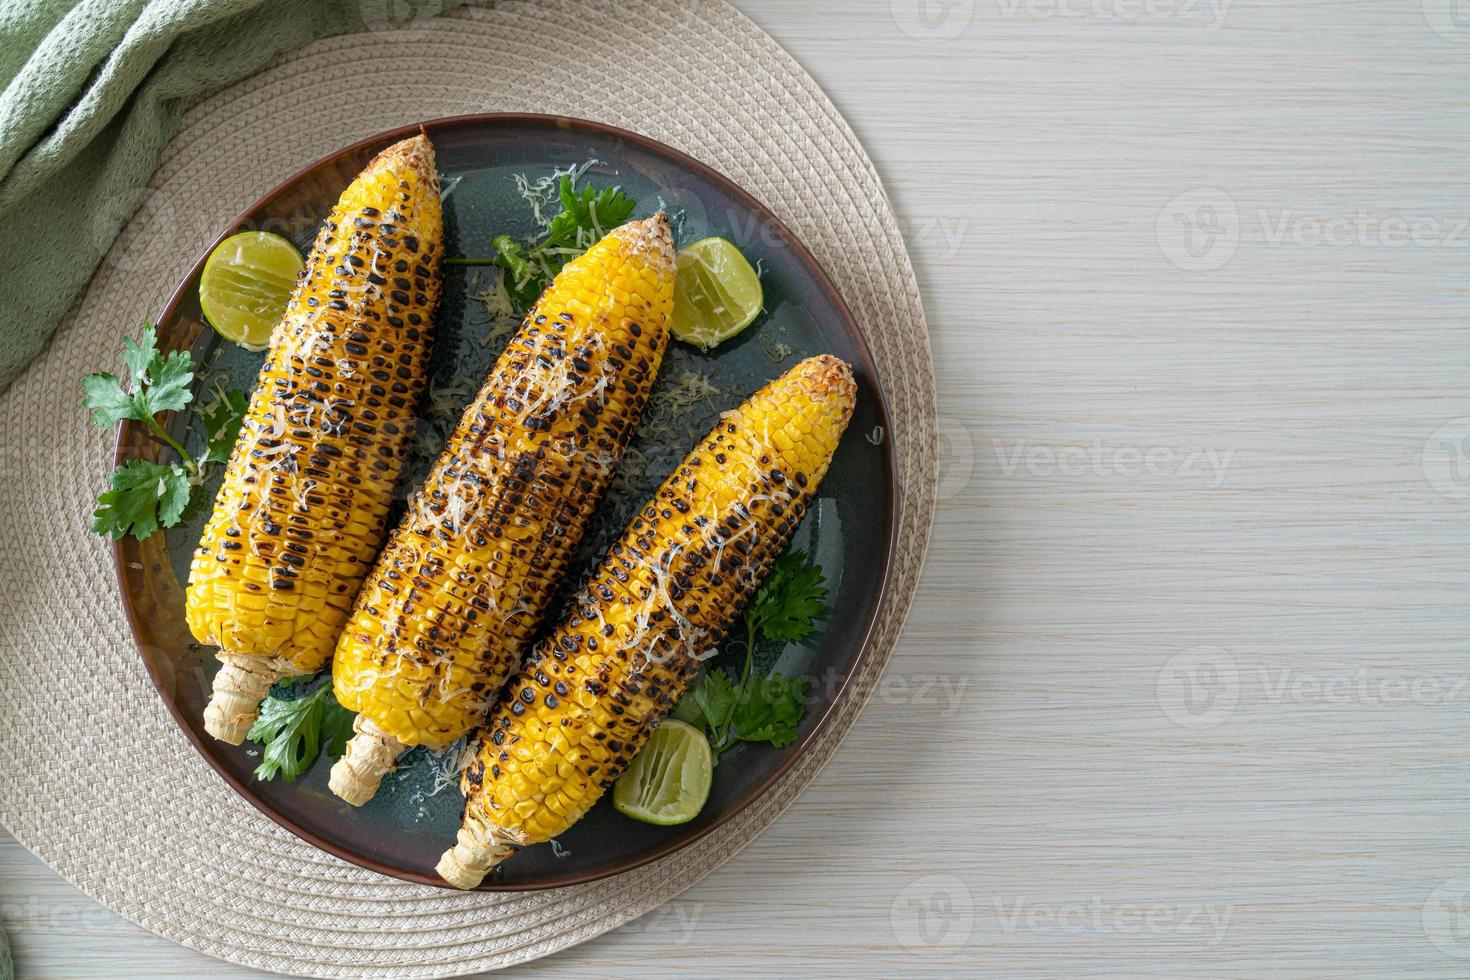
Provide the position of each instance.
(94, 776)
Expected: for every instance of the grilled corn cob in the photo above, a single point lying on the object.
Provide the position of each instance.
(305, 498)
(592, 691)
(453, 600)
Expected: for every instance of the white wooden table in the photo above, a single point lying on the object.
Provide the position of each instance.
(1185, 688)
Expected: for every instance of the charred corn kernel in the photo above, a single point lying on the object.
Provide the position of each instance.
(306, 492)
(453, 600)
(663, 594)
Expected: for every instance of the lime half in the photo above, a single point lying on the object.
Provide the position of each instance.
(716, 293)
(669, 780)
(246, 285)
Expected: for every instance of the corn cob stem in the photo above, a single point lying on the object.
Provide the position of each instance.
(234, 704)
(369, 756)
(478, 848)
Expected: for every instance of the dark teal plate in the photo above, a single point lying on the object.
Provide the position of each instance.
(850, 528)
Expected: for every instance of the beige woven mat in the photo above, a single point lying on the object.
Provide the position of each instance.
(94, 776)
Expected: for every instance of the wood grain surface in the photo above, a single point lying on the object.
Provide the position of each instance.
(1185, 687)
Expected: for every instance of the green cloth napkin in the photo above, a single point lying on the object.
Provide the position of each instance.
(90, 92)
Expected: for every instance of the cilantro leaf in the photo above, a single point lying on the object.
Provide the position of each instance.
(222, 419)
(139, 354)
(508, 256)
(709, 702)
(585, 210)
(586, 215)
(160, 383)
(762, 707)
(769, 709)
(143, 496)
(563, 227)
(295, 731)
(104, 395)
(523, 283)
(790, 600)
(166, 387)
(610, 208)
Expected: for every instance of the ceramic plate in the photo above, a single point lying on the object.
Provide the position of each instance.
(850, 527)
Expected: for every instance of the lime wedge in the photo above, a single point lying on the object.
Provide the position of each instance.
(246, 284)
(669, 780)
(716, 293)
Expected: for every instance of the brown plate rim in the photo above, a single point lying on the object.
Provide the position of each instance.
(125, 550)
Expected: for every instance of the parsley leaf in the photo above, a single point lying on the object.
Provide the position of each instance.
(143, 496)
(222, 419)
(586, 216)
(166, 387)
(584, 210)
(790, 600)
(294, 731)
(714, 698)
(139, 354)
(104, 395)
(160, 383)
(770, 708)
(764, 707)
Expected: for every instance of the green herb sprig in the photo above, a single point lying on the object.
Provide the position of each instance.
(143, 496)
(762, 707)
(586, 216)
(295, 730)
